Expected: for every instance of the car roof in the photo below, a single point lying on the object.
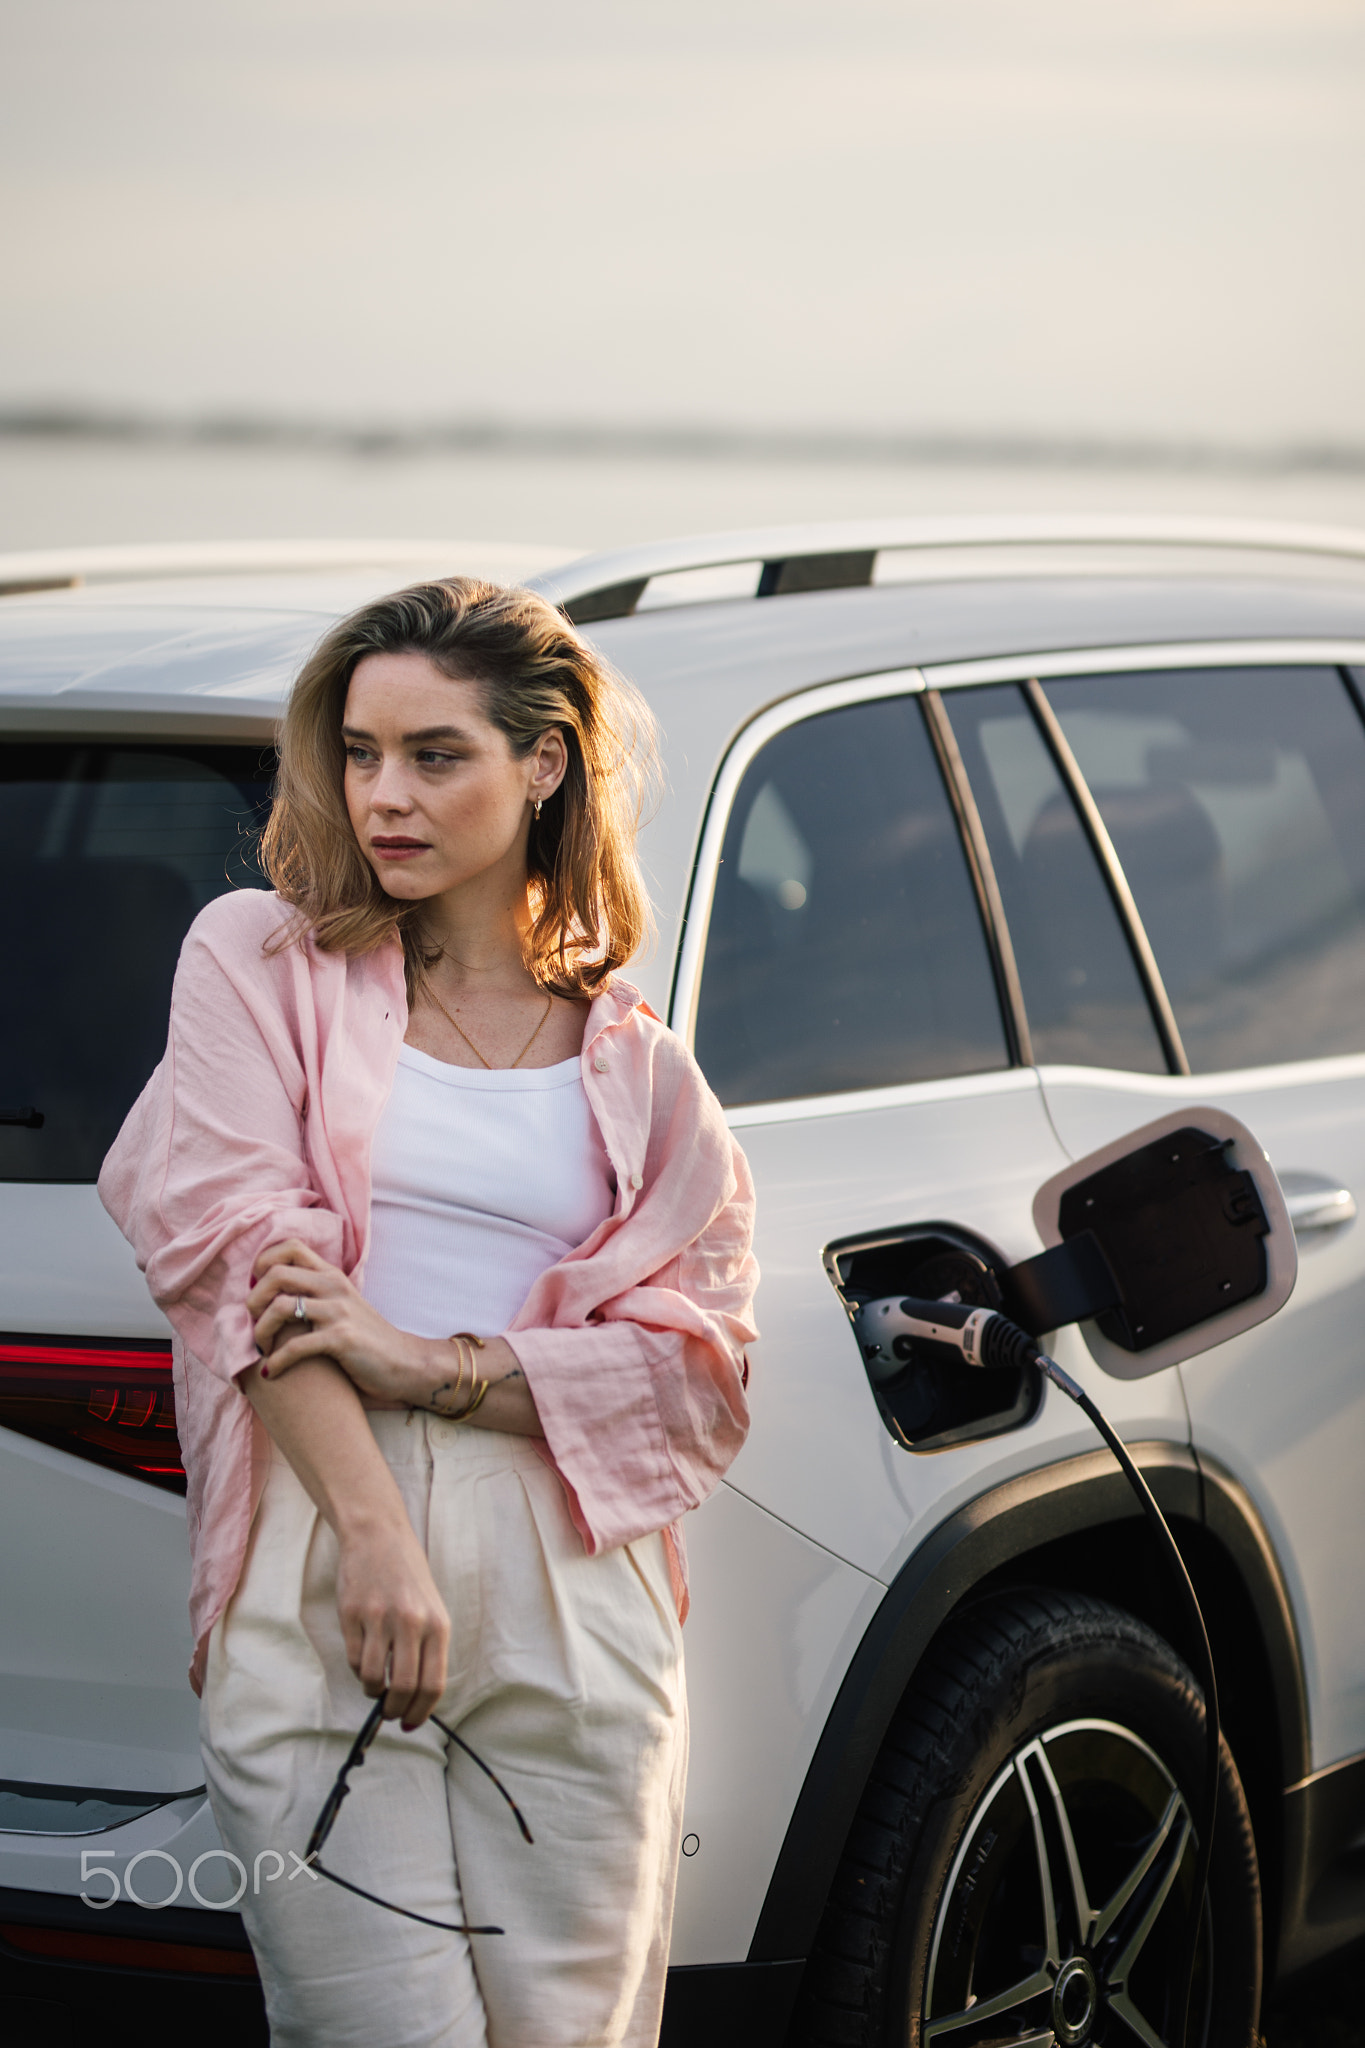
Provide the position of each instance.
(206, 640)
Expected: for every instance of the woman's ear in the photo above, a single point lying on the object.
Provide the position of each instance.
(550, 762)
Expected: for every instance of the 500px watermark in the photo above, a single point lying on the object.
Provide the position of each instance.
(124, 1888)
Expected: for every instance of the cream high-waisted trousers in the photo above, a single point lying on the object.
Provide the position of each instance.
(566, 1677)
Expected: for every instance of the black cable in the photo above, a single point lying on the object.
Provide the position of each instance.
(892, 1329)
(1171, 1549)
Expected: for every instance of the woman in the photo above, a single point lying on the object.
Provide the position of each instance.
(455, 1244)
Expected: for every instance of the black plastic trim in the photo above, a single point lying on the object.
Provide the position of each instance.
(1323, 1864)
(729, 2005)
(1354, 679)
(985, 1537)
(848, 570)
(613, 601)
(1008, 987)
(1050, 726)
(1065, 1284)
(27, 586)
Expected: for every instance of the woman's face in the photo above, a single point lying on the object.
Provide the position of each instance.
(435, 794)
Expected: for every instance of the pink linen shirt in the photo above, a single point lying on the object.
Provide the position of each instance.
(257, 1126)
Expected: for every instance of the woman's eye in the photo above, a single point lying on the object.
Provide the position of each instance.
(430, 758)
(359, 755)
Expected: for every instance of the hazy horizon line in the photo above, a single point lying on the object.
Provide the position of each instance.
(694, 441)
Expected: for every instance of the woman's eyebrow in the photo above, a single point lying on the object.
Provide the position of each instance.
(410, 739)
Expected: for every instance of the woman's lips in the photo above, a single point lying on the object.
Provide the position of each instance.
(398, 849)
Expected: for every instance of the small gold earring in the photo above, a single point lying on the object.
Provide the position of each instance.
(539, 802)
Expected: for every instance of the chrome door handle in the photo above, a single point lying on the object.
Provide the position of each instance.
(1314, 1203)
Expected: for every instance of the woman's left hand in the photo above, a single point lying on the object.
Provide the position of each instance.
(385, 1363)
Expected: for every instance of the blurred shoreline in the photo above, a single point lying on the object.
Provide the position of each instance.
(665, 440)
(79, 478)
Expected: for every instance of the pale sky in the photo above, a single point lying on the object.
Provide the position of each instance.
(1116, 218)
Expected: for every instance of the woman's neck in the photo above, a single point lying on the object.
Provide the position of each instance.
(480, 935)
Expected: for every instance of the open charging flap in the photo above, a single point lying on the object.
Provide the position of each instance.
(1161, 1245)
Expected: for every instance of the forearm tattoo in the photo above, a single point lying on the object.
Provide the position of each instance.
(448, 1387)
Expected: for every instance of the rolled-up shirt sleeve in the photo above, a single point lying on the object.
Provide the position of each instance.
(203, 1175)
(641, 1392)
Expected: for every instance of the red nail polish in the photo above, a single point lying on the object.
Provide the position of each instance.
(265, 1372)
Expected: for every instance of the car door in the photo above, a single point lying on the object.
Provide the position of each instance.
(1227, 799)
(844, 1003)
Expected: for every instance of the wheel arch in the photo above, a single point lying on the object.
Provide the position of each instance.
(1073, 1523)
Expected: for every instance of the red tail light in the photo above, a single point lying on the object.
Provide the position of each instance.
(107, 1401)
(66, 1944)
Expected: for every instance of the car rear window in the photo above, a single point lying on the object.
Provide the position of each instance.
(110, 851)
(845, 948)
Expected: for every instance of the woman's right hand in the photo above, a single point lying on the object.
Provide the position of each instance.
(394, 1621)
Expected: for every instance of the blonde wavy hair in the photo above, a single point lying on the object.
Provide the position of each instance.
(589, 908)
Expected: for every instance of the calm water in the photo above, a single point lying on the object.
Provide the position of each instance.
(60, 492)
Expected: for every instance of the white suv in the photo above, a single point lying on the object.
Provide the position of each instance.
(983, 845)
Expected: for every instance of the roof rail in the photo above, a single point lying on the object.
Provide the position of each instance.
(756, 562)
(67, 568)
(776, 561)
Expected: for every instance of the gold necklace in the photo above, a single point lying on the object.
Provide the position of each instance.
(549, 1005)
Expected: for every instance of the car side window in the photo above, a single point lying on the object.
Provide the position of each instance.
(1235, 799)
(109, 852)
(1085, 1002)
(845, 948)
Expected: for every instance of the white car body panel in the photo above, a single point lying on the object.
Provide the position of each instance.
(774, 1621)
(100, 1293)
(94, 1629)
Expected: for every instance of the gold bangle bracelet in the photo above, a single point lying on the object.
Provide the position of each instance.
(481, 1389)
(464, 1362)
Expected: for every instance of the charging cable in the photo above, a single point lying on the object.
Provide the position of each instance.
(893, 1329)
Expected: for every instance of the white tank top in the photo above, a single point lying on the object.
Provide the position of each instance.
(479, 1181)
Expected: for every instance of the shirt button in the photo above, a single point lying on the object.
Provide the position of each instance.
(601, 1063)
(637, 1180)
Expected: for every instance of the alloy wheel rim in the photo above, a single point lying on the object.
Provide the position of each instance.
(1065, 1911)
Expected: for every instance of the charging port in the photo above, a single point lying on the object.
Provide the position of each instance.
(925, 1405)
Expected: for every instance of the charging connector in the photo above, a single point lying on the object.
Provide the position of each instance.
(899, 1330)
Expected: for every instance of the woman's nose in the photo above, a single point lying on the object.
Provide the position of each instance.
(389, 790)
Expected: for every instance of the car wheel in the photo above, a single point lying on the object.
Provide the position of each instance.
(1021, 1868)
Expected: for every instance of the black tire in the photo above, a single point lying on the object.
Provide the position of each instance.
(938, 1907)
